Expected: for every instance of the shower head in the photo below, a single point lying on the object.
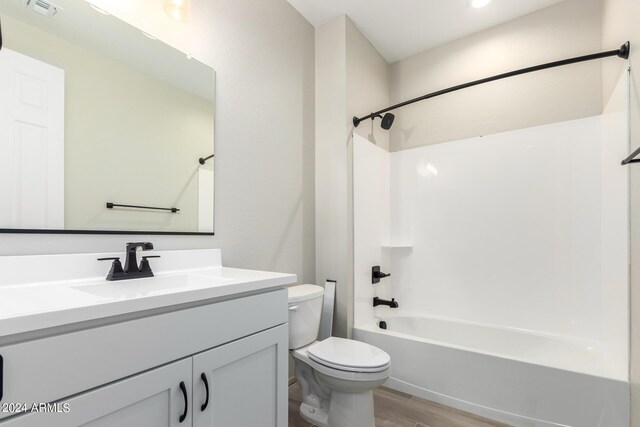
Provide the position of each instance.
(387, 121)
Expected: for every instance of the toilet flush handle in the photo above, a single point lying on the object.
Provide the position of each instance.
(294, 308)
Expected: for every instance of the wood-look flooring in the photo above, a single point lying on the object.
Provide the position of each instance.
(395, 409)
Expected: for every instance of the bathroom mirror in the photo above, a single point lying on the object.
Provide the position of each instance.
(103, 128)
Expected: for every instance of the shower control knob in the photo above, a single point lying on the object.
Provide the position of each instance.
(376, 274)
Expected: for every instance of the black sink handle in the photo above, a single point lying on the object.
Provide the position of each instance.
(116, 266)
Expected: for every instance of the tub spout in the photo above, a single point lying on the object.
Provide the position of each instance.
(378, 301)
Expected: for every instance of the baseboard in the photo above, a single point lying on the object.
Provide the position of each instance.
(483, 411)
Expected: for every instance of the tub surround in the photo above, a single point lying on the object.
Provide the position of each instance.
(515, 286)
(143, 349)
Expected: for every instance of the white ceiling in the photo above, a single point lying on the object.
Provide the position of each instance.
(402, 28)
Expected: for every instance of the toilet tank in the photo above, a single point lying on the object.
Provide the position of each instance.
(305, 310)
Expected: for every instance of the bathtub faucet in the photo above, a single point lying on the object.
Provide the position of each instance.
(377, 301)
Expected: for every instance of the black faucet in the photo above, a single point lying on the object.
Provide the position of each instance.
(377, 301)
(131, 268)
(131, 263)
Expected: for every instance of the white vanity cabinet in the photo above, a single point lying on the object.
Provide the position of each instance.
(130, 373)
(151, 399)
(243, 381)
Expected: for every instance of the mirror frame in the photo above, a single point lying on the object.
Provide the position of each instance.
(116, 232)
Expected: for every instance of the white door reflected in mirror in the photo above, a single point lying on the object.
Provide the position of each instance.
(31, 142)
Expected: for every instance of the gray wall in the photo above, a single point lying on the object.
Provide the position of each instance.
(332, 232)
(570, 28)
(351, 78)
(367, 74)
(263, 53)
(620, 23)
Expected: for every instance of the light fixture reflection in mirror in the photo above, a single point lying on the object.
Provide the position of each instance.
(478, 4)
(177, 9)
(97, 9)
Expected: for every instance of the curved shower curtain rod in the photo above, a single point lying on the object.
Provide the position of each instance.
(621, 52)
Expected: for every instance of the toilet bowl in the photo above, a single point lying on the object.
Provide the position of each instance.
(337, 376)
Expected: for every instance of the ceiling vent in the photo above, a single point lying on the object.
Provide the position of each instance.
(44, 7)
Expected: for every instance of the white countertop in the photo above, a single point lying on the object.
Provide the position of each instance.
(35, 305)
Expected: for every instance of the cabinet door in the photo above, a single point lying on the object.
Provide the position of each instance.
(247, 382)
(151, 399)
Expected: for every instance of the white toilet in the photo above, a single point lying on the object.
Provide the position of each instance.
(337, 376)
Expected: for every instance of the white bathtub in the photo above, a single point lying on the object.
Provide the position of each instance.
(517, 377)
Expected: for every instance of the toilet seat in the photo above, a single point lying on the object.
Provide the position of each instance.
(302, 355)
(349, 355)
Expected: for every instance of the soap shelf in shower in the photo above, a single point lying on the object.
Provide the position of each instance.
(397, 246)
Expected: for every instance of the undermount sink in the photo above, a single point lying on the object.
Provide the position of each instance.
(151, 286)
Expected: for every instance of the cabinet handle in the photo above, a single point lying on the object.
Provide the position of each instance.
(183, 388)
(206, 387)
(1, 377)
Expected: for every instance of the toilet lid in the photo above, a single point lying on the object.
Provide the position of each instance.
(349, 355)
(301, 293)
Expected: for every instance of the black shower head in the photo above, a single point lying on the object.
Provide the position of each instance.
(387, 121)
